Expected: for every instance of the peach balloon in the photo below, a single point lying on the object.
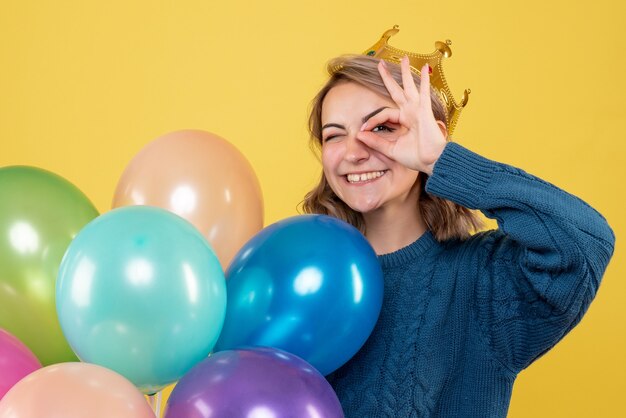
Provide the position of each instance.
(74, 390)
(202, 178)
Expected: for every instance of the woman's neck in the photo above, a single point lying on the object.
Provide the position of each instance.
(389, 230)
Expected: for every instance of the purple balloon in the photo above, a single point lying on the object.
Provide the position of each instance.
(253, 383)
(16, 361)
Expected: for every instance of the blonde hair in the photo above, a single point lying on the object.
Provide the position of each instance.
(445, 219)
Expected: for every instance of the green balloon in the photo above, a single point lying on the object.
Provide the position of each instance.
(40, 214)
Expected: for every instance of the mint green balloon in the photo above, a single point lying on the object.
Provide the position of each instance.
(141, 292)
(40, 213)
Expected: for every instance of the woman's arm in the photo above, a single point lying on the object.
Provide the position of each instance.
(542, 268)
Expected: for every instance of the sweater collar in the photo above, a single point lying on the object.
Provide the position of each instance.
(409, 253)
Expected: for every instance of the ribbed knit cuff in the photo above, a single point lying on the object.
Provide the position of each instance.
(461, 176)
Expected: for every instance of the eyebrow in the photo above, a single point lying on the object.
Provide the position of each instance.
(364, 119)
(333, 125)
(372, 114)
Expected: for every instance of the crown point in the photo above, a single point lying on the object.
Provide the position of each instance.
(465, 98)
(444, 48)
(396, 26)
(389, 33)
(448, 42)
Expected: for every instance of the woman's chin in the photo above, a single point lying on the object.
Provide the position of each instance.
(363, 206)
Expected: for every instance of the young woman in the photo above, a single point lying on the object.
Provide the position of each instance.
(462, 314)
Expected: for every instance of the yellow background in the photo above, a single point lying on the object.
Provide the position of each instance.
(84, 85)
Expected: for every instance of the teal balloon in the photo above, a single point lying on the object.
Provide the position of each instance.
(40, 214)
(141, 292)
(310, 285)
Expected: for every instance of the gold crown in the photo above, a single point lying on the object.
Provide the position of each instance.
(383, 50)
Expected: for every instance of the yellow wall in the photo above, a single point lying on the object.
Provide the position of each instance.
(84, 85)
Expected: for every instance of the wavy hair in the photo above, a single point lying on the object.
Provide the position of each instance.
(445, 219)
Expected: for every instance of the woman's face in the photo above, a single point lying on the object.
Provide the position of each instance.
(361, 177)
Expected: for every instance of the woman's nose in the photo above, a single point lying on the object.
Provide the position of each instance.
(356, 150)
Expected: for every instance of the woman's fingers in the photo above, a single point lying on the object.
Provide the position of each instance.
(385, 143)
(376, 143)
(425, 86)
(410, 89)
(385, 115)
(394, 89)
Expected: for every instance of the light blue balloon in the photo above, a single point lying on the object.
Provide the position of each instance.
(141, 292)
(310, 285)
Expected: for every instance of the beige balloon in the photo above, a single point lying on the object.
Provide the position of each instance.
(74, 390)
(202, 178)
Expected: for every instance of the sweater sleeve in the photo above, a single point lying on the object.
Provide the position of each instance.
(538, 273)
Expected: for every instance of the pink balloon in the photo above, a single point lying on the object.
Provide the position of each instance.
(74, 390)
(16, 361)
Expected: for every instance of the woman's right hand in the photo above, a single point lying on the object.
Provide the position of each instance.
(420, 144)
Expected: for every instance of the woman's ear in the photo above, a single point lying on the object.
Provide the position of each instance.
(444, 130)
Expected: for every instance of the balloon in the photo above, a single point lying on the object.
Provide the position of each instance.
(40, 213)
(141, 292)
(202, 178)
(310, 285)
(74, 390)
(16, 361)
(259, 382)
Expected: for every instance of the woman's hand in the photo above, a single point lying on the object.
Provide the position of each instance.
(422, 140)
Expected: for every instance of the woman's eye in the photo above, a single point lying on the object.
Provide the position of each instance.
(382, 128)
(329, 138)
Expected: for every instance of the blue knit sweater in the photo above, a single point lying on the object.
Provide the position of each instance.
(461, 319)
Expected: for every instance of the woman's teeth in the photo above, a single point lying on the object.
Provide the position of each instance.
(357, 178)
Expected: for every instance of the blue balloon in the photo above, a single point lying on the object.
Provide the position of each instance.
(310, 285)
(141, 292)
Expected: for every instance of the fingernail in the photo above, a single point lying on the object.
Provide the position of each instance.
(363, 127)
(383, 63)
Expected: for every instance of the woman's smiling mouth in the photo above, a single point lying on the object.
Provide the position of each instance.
(364, 177)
